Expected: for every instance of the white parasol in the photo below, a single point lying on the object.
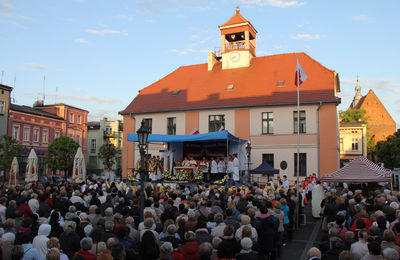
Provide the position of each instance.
(14, 172)
(31, 174)
(79, 169)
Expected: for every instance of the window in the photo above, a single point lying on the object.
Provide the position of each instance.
(171, 125)
(267, 122)
(78, 119)
(354, 144)
(36, 135)
(2, 108)
(71, 117)
(15, 132)
(302, 121)
(148, 124)
(45, 136)
(302, 164)
(269, 158)
(216, 123)
(78, 139)
(26, 134)
(93, 146)
(57, 134)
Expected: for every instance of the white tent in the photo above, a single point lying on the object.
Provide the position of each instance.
(31, 173)
(13, 172)
(79, 169)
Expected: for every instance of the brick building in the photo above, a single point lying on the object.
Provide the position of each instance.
(5, 92)
(380, 122)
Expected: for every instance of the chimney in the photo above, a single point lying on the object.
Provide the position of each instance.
(38, 103)
(212, 59)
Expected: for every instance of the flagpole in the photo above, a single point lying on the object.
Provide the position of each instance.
(298, 141)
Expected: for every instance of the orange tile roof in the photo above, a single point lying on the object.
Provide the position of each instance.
(237, 18)
(255, 85)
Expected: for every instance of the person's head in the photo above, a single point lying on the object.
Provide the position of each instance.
(9, 223)
(118, 251)
(53, 254)
(190, 236)
(346, 255)
(109, 225)
(166, 250)
(246, 243)
(86, 243)
(8, 239)
(112, 241)
(360, 224)
(171, 230)
(389, 235)
(26, 237)
(17, 252)
(218, 218)
(205, 250)
(313, 252)
(363, 235)
(390, 254)
(53, 243)
(246, 231)
(349, 236)
(374, 248)
(228, 230)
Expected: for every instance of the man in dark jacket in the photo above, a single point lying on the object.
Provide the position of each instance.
(267, 228)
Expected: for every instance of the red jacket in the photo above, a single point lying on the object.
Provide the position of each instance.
(190, 250)
(367, 222)
(86, 254)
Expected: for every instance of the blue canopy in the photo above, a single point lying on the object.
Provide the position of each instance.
(213, 136)
(265, 168)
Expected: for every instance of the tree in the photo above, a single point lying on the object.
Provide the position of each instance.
(107, 154)
(9, 148)
(354, 115)
(388, 152)
(61, 153)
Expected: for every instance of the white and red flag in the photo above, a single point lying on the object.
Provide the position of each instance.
(222, 128)
(195, 131)
(301, 76)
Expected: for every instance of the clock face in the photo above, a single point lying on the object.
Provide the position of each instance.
(235, 56)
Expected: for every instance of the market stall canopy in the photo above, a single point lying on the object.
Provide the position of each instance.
(213, 136)
(264, 168)
(359, 170)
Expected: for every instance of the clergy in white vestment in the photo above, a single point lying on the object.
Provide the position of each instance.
(317, 196)
(236, 176)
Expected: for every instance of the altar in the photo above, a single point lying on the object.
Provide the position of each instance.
(189, 171)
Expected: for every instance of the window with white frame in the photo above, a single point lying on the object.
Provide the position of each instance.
(93, 146)
(148, 122)
(45, 136)
(171, 125)
(71, 117)
(267, 122)
(78, 139)
(302, 121)
(2, 107)
(26, 134)
(216, 123)
(36, 135)
(15, 132)
(57, 134)
(78, 119)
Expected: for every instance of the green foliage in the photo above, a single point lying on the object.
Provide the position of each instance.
(354, 115)
(61, 153)
(107, 154)
(388, 152)
(9, 148)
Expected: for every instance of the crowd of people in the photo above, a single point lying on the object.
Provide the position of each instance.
(100, 220)
(359, 224)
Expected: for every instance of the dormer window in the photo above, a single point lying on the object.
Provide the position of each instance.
(280, 83)
(229, 87)
(176, 92)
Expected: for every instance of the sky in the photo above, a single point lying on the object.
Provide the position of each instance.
(97, 54)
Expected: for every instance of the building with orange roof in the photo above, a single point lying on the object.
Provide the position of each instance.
(254, 98)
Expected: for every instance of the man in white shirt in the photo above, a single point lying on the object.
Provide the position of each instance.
(214, 169)
(285, 182)
(236, 176)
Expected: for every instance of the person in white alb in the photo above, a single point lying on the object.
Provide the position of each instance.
(221, 168)
(214, 169)
(285, 182)
(236, 176)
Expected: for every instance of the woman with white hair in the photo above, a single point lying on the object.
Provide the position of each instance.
(7, 243)
(247, 253)
(245, 221)
(39, 242)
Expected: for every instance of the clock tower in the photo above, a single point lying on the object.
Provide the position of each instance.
(238, 42)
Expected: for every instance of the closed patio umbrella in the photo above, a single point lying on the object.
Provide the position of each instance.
(31, 174)
(13, 172)
(79, 169)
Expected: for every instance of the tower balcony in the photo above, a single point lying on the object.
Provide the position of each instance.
(239, 45)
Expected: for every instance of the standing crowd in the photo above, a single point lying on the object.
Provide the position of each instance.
(98, 220)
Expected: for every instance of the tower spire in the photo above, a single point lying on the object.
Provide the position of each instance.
(237, 9)
(357, 95)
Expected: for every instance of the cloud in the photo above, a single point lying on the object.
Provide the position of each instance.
(278, 47)
(105, 31)
(305, 36)
(36, 66)
(362, 18)
(7, 10)
(80, 40)
(94, 99)
(300, 25)
(156, 7)
(180, 52)
(274, 3)
(98, 114)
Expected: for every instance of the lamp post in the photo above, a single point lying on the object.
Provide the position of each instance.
(143, 133)
(248, 150)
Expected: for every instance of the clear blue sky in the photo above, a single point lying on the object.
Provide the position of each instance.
(99, 53)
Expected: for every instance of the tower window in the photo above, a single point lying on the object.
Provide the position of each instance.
(229, 87)
(280, 83)
(176, 92)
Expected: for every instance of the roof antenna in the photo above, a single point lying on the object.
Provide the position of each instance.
(2, 76)
(44, 83)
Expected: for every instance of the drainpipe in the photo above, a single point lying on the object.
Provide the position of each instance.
(318, 142)
(134, 131)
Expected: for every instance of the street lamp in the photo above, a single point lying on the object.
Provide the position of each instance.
(143, 133)
(248, 150)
